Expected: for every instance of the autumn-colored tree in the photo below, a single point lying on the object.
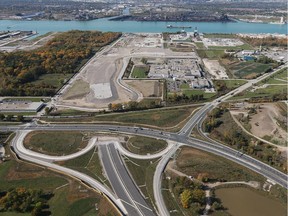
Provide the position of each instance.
(198, 195)
(185, 198)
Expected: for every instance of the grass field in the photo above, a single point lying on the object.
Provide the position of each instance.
(248, 69)
(169, 199)
(219, 36)
(262, 92)
(69, 197)
(200, 45)
(202, 165)
(71, 112)
(159, 118)
(13, 174)
(184, 86)
(62, 143)
(52, 79)
(20, 113)
(79, 89)
(15, 214)
(280, 77)
(199, 92)
(145, 145)
(33, 99)
(89, 164)
(198, 164)
(140, 72)
(231, 84)
(142, 172)
(76, 200)
(211, 53)
(240, 47)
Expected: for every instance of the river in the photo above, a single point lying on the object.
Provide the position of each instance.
(104, 24)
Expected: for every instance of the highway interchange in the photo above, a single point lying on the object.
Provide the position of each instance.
(125, 195)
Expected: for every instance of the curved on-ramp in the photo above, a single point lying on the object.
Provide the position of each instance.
(50, 158)
(17, 144)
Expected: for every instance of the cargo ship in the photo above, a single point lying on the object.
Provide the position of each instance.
(183, 27)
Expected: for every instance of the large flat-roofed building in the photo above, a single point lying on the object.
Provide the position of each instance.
(20, 106)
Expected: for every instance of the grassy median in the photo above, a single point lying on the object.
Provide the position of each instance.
(145, 145)
(55, 142)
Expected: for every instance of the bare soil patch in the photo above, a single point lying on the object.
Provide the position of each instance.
(149, 88)
(264, 123)
(79, 89)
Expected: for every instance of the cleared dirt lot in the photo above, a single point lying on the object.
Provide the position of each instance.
(265, 123)
(215, 69)
(101, 77)
(149, 88)
(268, 125)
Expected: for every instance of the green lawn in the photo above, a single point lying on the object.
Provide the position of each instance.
(159, 118)
(55, 142)
(140, 72)
(145, 145)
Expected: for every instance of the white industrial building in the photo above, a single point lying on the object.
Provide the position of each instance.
(7, 106)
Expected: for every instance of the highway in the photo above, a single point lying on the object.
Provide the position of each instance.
(212, 147)
(129, 200)
(18, 141)
(122, 183)
(157, 181)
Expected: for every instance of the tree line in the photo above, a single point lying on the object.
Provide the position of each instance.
(64, 54)
(267, 41)
(24, 200)
(134, 105)
(221, 126)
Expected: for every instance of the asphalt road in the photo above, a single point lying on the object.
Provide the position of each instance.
(126, 190)
(122, 183)
(212, 147)
(18, 141)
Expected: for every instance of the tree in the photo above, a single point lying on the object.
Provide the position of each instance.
(2, 116)
(110, 106)
(217, 206)
(186, 198)
(9, 117)
(144, 60)
(47, 110)
(198, 195)
(20, 118)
